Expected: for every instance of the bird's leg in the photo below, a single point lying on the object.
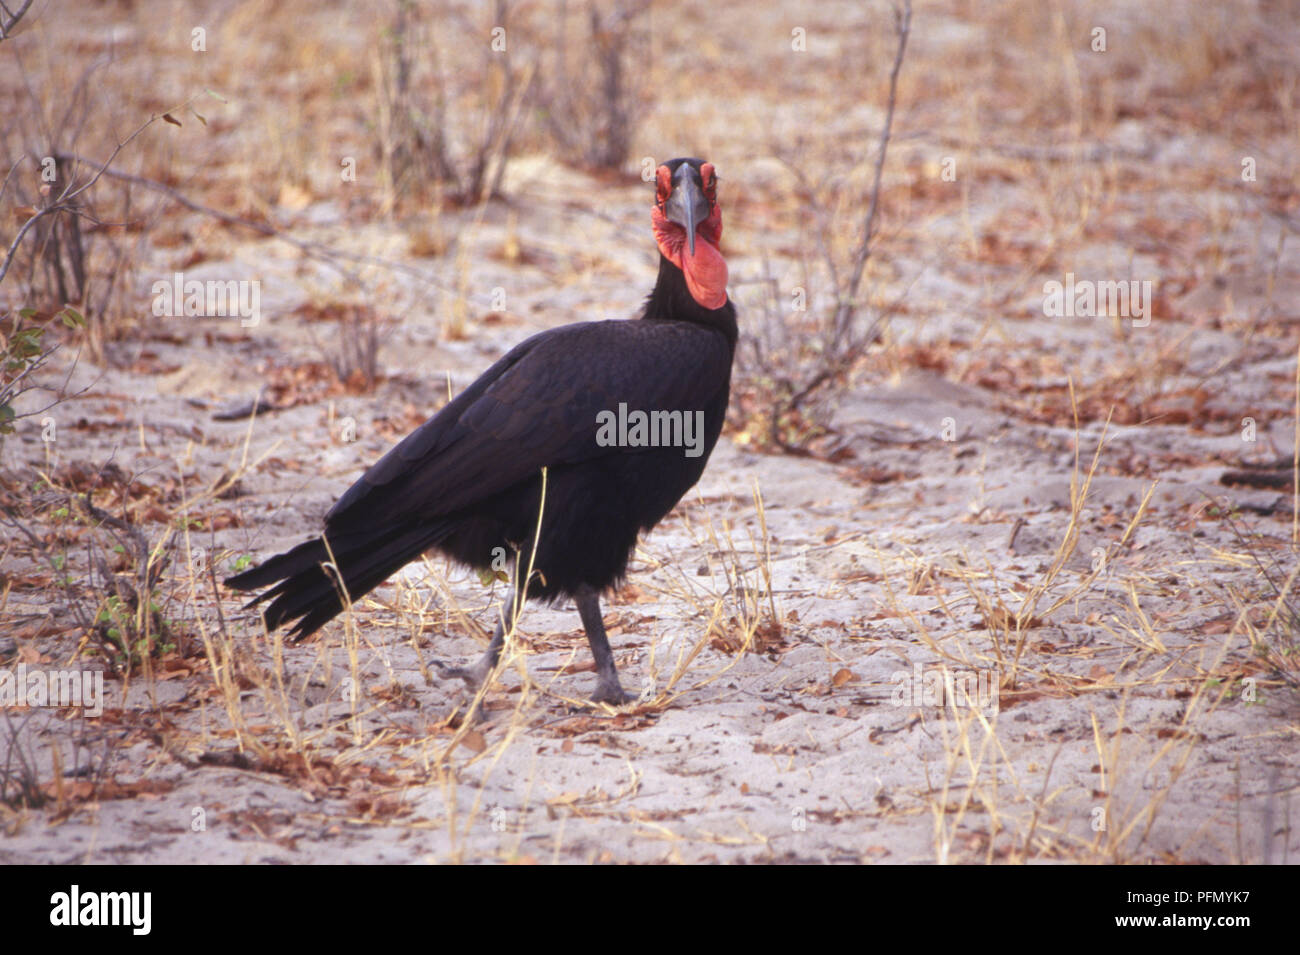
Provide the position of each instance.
(476, 674)
(608, 689)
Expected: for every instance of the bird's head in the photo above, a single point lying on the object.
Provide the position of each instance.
(688, 227)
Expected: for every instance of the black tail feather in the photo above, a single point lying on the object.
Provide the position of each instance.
(304, 591)
(282, 567)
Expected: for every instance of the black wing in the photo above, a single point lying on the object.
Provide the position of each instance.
(537, 407)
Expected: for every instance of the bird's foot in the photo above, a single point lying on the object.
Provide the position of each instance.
(612, 693)
(472, 676)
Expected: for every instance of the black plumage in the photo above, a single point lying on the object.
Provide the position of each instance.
(468, 481)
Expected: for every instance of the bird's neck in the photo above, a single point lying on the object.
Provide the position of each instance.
(671, 301)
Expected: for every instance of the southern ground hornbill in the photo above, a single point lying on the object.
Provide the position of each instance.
(468, 481)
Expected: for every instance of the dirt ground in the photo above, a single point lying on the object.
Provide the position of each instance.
(1086, 519)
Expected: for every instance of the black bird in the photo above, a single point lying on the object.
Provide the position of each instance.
(622, 415)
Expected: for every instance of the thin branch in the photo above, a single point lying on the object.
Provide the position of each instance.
(65, 200)
(5, 185)
(10, 18)
(847, 308)
(840, 346)
(318, 251)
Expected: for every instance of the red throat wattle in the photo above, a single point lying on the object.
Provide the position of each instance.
(706, 270)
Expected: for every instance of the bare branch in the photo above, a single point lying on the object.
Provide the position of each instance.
(329, 255)
(804, 366)
(9, 19)
(846, 311)
(69, 195)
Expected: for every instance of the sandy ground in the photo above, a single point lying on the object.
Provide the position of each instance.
(1103, 578)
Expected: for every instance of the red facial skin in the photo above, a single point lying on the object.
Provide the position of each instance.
(706, 271)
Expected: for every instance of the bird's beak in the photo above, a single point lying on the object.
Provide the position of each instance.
(687, 207)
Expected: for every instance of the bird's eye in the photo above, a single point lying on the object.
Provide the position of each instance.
(709, 178)
(663, 185)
